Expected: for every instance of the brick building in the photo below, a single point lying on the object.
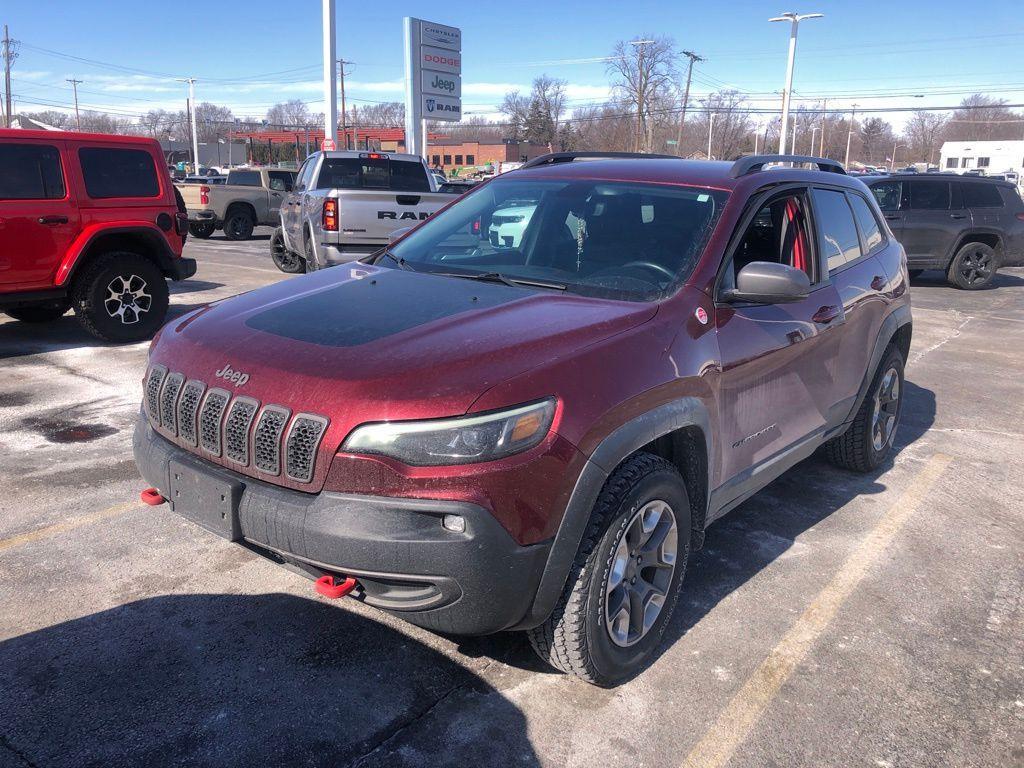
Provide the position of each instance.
(450, 154)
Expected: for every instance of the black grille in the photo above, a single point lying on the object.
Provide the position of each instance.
(266, 439)
(169, 401)
(303, 440)
(153, 382)
(188, 409)
(209, 420)
(236, 429)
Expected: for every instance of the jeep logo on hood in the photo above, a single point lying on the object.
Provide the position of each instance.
(229, 374)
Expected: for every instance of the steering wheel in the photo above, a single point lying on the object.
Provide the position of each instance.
(651, 265)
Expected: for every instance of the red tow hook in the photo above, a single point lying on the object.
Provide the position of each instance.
(327, 587)
(152, 497)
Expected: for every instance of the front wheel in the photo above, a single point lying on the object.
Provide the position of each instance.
(40, 313)
(869, 439)
(915, 273)
(973, 267)
(284, 259)
(121, 297)
(626, 579)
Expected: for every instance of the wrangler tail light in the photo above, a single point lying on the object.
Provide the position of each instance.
(476, 226)
(204, 194)
(330, 222)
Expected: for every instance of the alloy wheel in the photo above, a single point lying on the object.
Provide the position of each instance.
(127, 299)
(281, 255)
(976, 266)
(641, 573)
(886, 410)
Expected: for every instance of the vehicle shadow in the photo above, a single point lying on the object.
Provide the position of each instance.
(192, 286)
(937, 278)
(762, 529)
(244, 680)
(221, 237)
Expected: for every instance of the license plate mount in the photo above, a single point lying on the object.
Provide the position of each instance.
(207, 498)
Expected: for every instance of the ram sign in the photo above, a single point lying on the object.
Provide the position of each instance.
(433, 72)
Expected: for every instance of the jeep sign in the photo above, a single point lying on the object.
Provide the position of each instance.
(441, 84)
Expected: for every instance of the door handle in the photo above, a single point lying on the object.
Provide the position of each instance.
(877, 283)
(958, 216)
(51, 220)
(891, 217)
(825, 315)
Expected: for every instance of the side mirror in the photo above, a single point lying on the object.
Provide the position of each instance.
(765, 282)
(397, 233)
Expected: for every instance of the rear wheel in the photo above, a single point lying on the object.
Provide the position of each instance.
(626, 578)
(239, 224)
(40, 313)
(915, 273)
(284, 259)
(201, 229)
(121, 297)
(869, 439)
(973, 267)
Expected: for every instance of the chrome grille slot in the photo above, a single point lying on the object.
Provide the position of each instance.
(303, 439)
(209, 420)
(153, 383)
(236, 429)
(266, 439)
(169, 402)
(188, 409)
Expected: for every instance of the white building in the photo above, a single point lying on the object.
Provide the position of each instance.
(989, 157)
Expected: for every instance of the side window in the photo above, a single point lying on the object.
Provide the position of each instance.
(980, 195)
(245, 178)
(300, 180)
(837, 234)
(30, 172)
(778, 233)
(983, 162)
(118, 173)
(887, 194)
(952, 162)
(447, 159)
(280, 181)
(929, 195)
(470, 159)
(409, 176)
(869, 227)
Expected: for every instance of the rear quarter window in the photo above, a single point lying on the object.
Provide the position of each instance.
(30, 172)
(980, 195)
(116, 172)
(867, 222)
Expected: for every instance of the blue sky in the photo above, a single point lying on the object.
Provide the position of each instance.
(249, 55)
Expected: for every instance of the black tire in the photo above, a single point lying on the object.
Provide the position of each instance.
(973, 267)
(576, 638)
(284, 259)
(915, 273)
(201, 229)
(309, 255)
(40, 313)
(101, 316)
(857, 448)
(239, 224)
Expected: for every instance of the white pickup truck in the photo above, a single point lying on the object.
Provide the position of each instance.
(346, 204)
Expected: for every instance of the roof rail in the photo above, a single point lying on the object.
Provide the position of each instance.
(567, 157)
(755, 163)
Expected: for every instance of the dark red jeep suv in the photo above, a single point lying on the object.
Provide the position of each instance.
(533, 434)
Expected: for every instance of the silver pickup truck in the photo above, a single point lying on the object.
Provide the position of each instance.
(346, 204)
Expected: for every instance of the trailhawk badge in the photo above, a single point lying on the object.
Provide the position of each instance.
(235, 377)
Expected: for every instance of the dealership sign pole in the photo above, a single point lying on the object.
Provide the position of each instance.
(433, 79)
(330, 82)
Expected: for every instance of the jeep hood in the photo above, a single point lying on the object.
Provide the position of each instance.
(359, 343)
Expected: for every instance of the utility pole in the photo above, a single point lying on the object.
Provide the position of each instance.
(641, 95)
(74, 85)
(821, 150)
(849, 135)
(693, 57)
(794, 20)
(344, 116)
(9, 57)
(711, 130)
(330, 86)
(192, 109)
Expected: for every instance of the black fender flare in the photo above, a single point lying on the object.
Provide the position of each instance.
(893, 322)
(610, 452)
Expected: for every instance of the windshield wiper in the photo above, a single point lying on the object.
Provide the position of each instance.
(397, 259)
(497, 277)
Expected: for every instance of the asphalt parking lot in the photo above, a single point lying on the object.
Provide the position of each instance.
(832, 620)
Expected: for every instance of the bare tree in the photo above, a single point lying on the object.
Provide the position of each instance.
(289, 113)
(982, 118)
(641, 71)
(733, 128)
(516, 109)
(878, 138)
(212, 121)
(922, 135)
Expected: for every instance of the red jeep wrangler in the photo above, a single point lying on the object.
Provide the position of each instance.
(91, 222)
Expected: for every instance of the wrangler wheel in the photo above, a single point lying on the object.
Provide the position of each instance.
(121, 297)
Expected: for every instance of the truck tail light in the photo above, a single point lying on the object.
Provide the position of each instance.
(204, 195)
(1020, 216)
(330, 222)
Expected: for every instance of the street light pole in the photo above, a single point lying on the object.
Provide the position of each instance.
(849, 135)
(794, 20)
(711, 131)
(330, 79)
(892, 160)
(192, 108)
(814, 130)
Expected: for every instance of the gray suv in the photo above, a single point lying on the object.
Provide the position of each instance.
(968, 228)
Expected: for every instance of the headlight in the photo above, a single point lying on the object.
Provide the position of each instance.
(462, 440)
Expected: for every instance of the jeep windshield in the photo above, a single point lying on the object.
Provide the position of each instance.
(619, 240)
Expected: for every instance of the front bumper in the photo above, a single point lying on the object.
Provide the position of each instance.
(182, 268)
(476, 582)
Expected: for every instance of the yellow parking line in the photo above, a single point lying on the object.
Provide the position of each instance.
(67, 525)
(741, 714)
